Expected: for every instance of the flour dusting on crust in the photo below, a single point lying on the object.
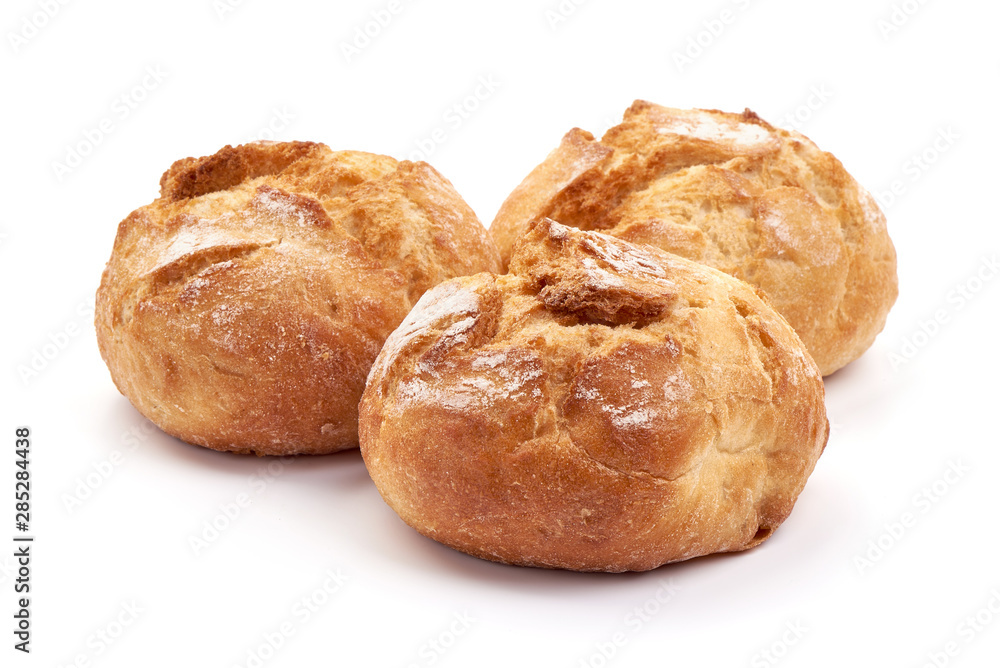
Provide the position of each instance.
(708, 128)
(438, 303)
(505, 376)
(270, 203)
(873, 214)
(625, 259)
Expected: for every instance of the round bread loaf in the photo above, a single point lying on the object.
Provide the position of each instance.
(242, 309)
(602, 407)
(760, 203)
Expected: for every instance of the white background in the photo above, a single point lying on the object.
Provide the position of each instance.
(899, 427)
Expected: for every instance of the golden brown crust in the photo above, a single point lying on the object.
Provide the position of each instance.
(604, 407)
(730, 191)
(243, 308)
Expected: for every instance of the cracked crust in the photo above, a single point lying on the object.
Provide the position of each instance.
(602, 407)
(243, 308)
(728, 190)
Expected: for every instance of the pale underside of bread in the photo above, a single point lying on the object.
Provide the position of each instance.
(242, 309)
(731, 191)
(603, 407)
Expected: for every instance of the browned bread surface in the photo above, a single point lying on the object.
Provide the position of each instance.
(728, 190)
(603, 407)
(243, 308)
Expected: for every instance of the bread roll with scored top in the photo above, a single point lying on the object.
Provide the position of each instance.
(242, 309)
(603, 407)
(731, 191)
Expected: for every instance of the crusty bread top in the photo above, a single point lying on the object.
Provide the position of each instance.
(729, 190)
(372, 198)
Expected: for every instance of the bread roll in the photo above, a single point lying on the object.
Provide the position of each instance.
(762, 204)
(603, 407)
(243, 309)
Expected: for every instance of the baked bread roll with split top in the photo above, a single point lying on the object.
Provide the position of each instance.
(242, 309)
(603, 407)
(731, 191)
